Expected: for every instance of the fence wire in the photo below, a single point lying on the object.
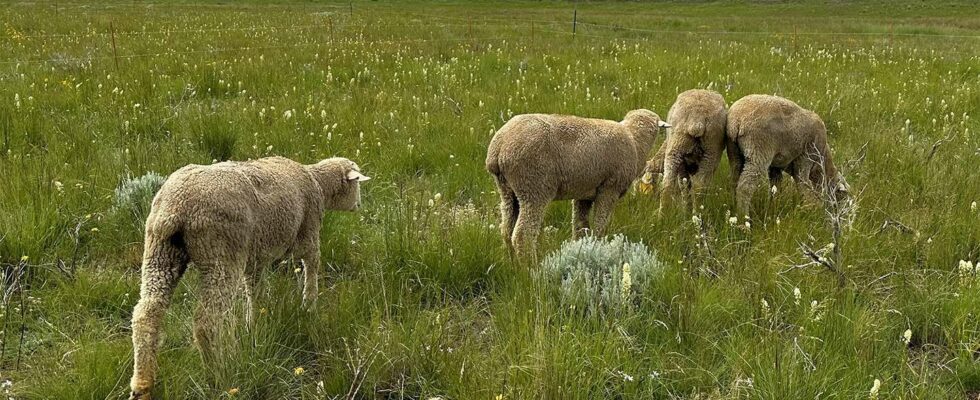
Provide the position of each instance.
(534, 25)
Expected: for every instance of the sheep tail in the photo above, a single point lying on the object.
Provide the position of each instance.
(493, 161)
(697, 129)
(164, 241)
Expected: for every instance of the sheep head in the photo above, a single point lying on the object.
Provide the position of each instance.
(644, 125)
(340, 183)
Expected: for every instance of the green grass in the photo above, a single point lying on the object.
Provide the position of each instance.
(420, 301)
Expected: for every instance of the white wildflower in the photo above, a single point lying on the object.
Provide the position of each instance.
(907, 336)
(966, 270)
(875, 388)
(816, 310)
(797, 295)
(732, 221)
(627, 284)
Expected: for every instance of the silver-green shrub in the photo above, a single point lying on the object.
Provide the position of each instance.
(132, 198)
(602, 274)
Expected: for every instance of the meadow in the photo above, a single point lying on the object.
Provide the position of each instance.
(419, 297)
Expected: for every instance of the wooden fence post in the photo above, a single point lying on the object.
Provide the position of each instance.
(575, 19)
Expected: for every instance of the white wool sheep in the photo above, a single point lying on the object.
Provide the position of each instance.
(693, 147)
(767, 135)
(538, 158)
(230, 219)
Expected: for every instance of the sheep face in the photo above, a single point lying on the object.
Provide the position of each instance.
(644, 122)
(340, 181)
(348, 197)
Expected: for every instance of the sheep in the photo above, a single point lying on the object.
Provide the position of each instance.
(767, 135)
(693, 147)
(538, 158)
(230, 219)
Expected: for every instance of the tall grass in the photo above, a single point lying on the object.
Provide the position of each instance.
(422, 300)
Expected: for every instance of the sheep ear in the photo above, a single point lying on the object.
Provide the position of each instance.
(356, 176)
(663, 124)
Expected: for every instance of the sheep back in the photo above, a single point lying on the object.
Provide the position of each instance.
(258, 205)
(698, 113)
(571, 156)
(774, 125)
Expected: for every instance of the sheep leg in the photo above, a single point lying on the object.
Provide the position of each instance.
(800, 170)
(163, 266)
(311, 265)
(736, 160)
(748, 182)
(580, 217)
(706, 170)
(529, 219)
(604, 204)
(655, 166)
(673, 172)
(250, 282)
(217, 287)
(508, 214)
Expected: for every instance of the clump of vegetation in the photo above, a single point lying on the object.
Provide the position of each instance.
(423, 301)
(602, 274)
(132, 198)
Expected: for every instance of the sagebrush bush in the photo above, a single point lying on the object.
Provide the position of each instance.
(602, 274)
(131, 200)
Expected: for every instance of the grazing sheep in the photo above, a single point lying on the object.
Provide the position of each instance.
(538, 158)
(768, 135)
(230, 219)
(693, 146)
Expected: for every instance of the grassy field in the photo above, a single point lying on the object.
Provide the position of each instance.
(419, 298)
